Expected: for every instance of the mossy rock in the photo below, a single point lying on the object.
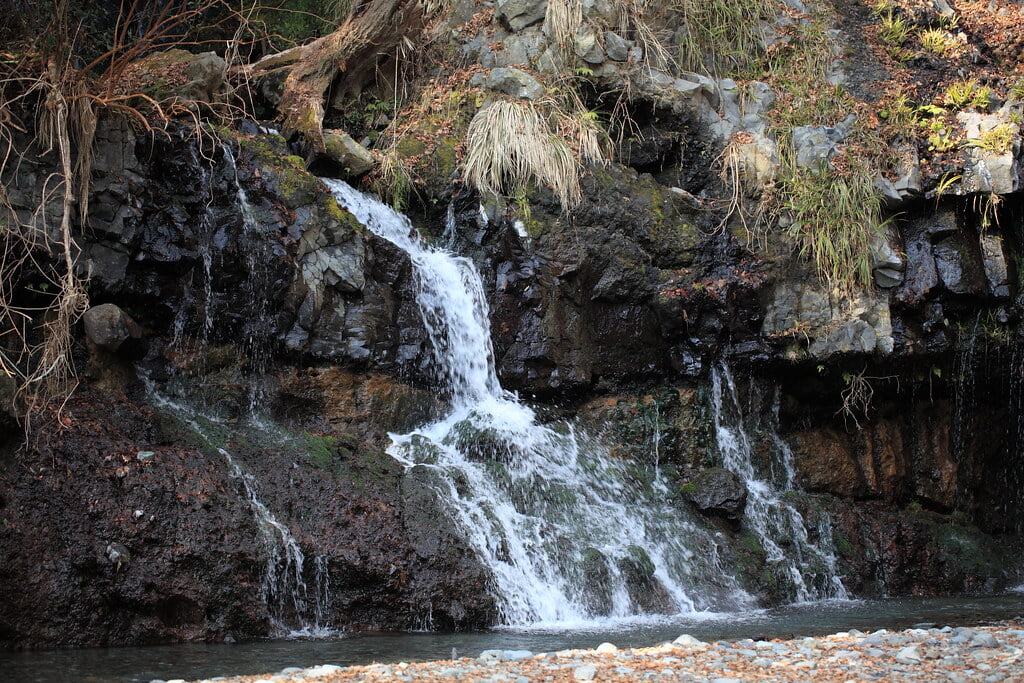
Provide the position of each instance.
(716, 492)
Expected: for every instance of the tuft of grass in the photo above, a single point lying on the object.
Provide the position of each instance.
(514, 143)
(940, 42)
(836, 215)
(393, 182)
(998, 140)
(900, 113)
(968, 93)
(721, 33)
(895, 29)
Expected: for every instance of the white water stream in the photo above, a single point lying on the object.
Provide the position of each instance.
(569, 533)
(811, 567)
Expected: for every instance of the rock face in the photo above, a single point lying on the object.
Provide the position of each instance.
(717, 491)
(253, 285)
(168, 549)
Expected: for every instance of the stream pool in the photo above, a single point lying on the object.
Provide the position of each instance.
(141, 664)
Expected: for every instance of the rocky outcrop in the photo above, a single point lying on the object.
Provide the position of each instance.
(129, 532)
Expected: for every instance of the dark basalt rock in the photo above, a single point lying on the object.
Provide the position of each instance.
(717, 491)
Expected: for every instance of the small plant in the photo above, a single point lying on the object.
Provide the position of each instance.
(394, 181)
(900, 112)
(880, 7)
(939, 42)
(940, 138)
(968, 93)
(835, 217)
(1017, 91)
(946, 182)
(998, 140)
(857, 395)
(895, 30)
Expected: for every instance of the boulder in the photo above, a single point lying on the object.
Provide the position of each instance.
(959, 266)
(519, 14)
(107, 326)
(586, 45)
(717, 492)
(816, 145)
(990, 163)
(349, 155)
(514, 82)
(616, 47)
(994, 262)
(189, 78)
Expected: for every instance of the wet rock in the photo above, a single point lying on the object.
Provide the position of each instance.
(351, 158)
(825, 460)
(597, 582)
(921, 275)
(994, 263)
(106, 264)
(519, 14)
(108, 327)
(959, 265)
(514, 82)
(717, 491)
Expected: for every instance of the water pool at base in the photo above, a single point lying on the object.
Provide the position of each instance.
(141, 664)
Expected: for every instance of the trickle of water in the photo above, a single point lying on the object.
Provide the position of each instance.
(283, 588)
(811, 567)
(568, 532)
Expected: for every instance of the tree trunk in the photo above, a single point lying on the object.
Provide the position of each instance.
(352, 52)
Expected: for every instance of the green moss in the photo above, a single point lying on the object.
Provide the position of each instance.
(323, 451)
(410, 146)
(842, 544)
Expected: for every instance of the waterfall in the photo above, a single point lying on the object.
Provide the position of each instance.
(568, 532)
(810, 567)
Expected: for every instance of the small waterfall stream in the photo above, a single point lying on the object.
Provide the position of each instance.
(811, 567)
(568, 532)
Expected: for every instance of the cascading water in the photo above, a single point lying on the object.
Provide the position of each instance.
(568, 532)
(810, 567)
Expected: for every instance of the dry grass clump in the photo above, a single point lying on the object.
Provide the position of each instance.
(514, 143)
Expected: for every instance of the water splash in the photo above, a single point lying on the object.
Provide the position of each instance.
(568, 532)
(810, 567)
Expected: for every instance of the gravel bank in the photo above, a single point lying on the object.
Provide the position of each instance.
(992, 654)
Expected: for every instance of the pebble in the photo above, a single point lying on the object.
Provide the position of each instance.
(606, 648)
(984, 639)
(586, 672)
